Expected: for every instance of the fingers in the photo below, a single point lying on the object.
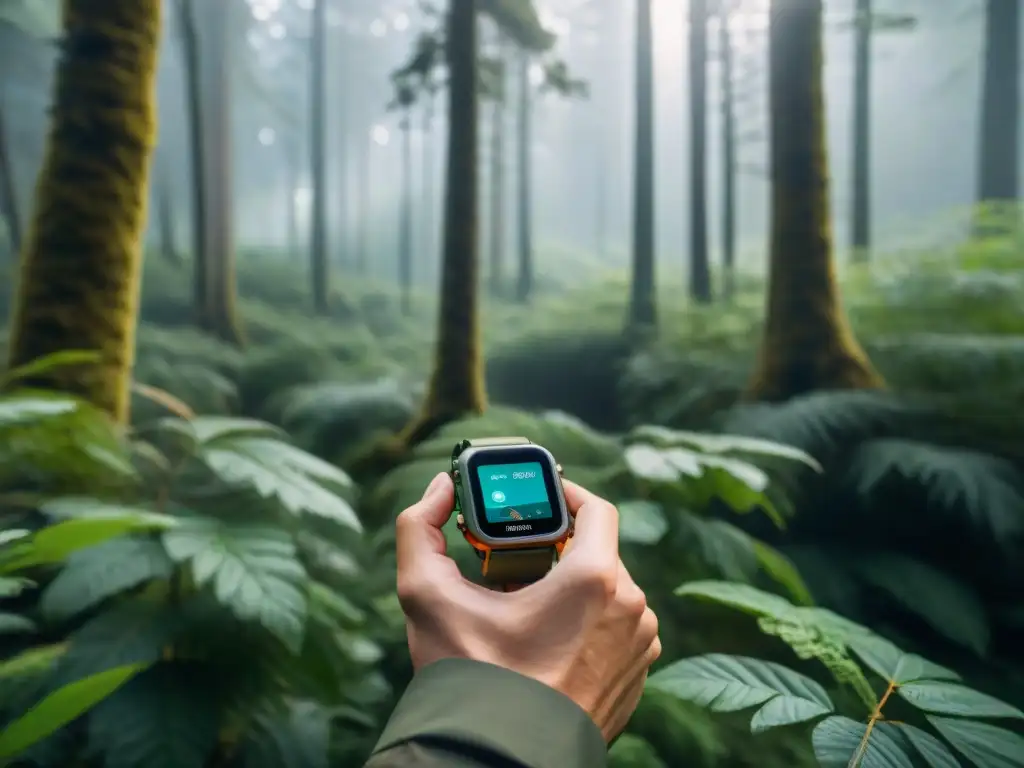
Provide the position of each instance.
(418, 529)
(595, 543)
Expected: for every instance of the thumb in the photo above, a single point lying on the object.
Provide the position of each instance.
(418, 533)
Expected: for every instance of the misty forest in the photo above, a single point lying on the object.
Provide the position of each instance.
(753, 270)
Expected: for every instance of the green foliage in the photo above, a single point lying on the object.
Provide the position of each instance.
(937, 700)
(195, 567)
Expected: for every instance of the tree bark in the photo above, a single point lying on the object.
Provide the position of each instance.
(497, 246)
(861, 213)
(700, 271)
(456, 386)
(9, 189)
(79, 279)
(807, 344)
(728, 158)
(642, 310)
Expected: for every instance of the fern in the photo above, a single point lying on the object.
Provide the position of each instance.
(953, 711)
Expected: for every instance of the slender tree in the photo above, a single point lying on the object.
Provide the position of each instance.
(8, 188)
(79, 279)
(861, 213)
(456, 385)
(807, 341)
(320, 272)
(642, 309)
(524, 181)
(728, 153)
(497, 199)
(700, 270)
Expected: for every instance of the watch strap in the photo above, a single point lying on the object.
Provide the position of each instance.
(508, 566)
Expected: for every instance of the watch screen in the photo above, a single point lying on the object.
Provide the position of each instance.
(514, 492)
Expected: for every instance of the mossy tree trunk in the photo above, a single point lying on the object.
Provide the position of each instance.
(807, 344)
(79, 279)
(642, 310)
(700, 268)
(218, 312)
(456, 386)
(860, 215)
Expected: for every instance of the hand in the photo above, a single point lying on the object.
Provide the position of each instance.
(584, 629)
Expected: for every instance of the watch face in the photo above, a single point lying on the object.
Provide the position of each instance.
(514, 493)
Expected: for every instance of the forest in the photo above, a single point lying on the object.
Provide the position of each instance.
(753, 270)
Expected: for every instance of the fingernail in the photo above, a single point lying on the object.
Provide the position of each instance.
(435, 485)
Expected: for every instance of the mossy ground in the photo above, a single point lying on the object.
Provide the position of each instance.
(939, 324)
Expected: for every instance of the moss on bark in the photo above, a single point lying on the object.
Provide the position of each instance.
(81, 263)
(808, 344)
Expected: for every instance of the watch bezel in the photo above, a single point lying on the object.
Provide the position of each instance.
(471, 496)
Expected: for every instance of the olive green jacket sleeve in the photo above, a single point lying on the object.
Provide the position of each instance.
(467, 714)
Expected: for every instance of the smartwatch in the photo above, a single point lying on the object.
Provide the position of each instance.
(510, 507)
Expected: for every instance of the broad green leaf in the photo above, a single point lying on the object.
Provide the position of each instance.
(724, 683)
(12, 587)
(253, 571)
(641, 522)
(6, 537)
(23, 408)
(61, 707)
(328, 604)
(278, 470)
(781, 570)
(15, 624)
(209, 429)
(57, 359)
(836, 740)
(92, 575)
(932, 751)
(985, 745)
(72, 507)
(54, 543)
(894, 665)
(32, 661)
(738, 596)
(944, 698)
(726, 444)
(296, 738)
(950, 607)
(167, 717)
(649, 463)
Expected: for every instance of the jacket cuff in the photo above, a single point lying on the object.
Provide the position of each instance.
(493, 708)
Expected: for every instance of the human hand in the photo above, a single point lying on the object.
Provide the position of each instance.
(584, 629)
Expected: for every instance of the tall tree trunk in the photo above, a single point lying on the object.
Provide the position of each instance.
(194, 113)
(429, 244)
(318, 160)
(642, 309)
(456, 386)
(728, 157)
(700, 271)
(8, 189)
(165, 221)
(524, 213)
(861, 214)
(79, 279)
(807, 342)
(497, 247)
(363, 182)
(405, 224)
(291, 214)
(1000, 109)
(219, 312)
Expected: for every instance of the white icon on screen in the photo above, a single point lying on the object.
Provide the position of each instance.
(497, 497)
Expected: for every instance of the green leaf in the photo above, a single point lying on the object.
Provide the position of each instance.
(210, 429)
(943, 698)
(641, 522)
(649, 463)
(781, 570)
(32, 661)
(253, 571)
(61, 707)
(933, 752)
(167, 717)
(836, 740)
(726, 444)
(92, 575)
(950, 607)
(739, 596)
(985, 745)
(894, 665)
(15, 624)
(724, 683)
(54, 543)
(57, 359)
(12, 587)
(24, 408)
(296, 738)
(12, 535)
(278, 470)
